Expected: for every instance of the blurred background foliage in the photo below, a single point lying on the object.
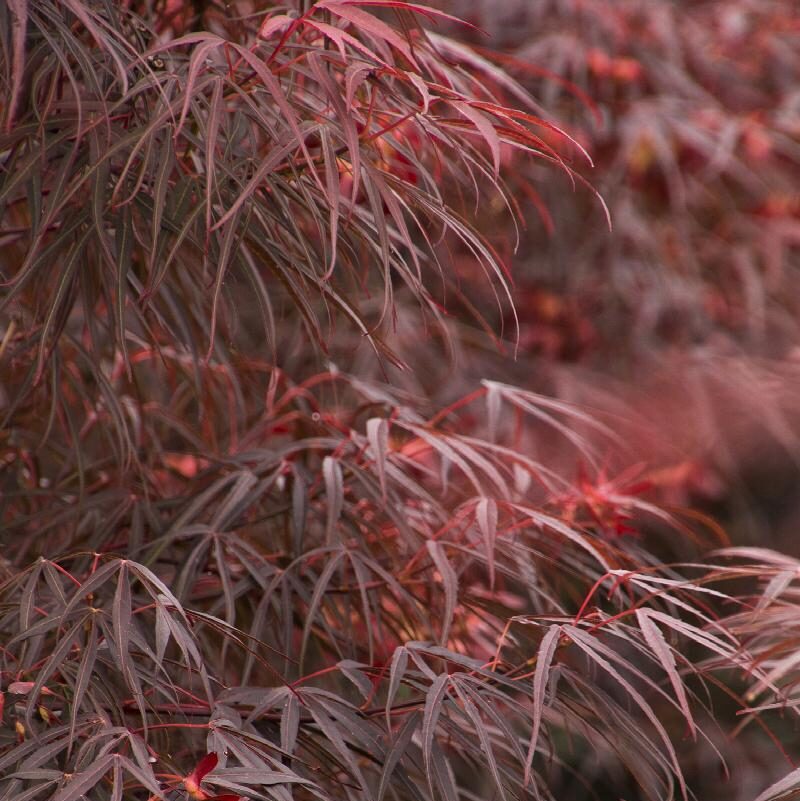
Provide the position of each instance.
(687, 312)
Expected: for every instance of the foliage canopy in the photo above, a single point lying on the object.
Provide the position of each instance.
(244, 559)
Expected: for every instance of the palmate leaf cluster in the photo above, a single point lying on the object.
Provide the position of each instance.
(231, 570)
